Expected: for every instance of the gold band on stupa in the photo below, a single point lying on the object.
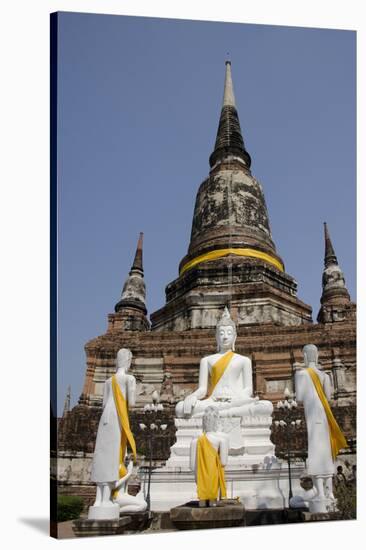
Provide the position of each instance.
(221, 253)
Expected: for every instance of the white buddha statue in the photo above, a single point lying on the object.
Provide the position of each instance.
(113, 435)
(325, 438)
(225, 381)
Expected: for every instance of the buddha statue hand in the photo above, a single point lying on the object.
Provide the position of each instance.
(261, 408)
(189, 403)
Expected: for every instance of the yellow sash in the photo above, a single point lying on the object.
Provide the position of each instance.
(210, 472)
(218, 369)
(126, 434)
(337, 439)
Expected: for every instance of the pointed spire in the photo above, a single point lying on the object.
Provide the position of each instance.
(329, 256)
(67, 401)
(137, 262)
(229, 98)
(335, 300)
(229, 141)
(132, 302)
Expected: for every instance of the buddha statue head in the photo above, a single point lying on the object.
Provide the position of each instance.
(124, 358)
(210, 420)
(310, 352)
(225, 332)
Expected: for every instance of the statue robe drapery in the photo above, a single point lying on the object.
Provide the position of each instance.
(320, 461)
(113, 434)
(337, 439)
(218, 369)
(210, 472)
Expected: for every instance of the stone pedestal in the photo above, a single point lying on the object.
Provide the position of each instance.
(249, 440)
(322, 505)
(227, 513)
(94, 528)
(259, 486)
(139, 521)
(329, 516)
(104, 512)
(252, 473)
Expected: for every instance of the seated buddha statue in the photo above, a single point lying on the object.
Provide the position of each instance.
(225, 380)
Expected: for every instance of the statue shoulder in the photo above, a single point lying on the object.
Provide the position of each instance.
(300, 371)
(244, 358)
(209, 358)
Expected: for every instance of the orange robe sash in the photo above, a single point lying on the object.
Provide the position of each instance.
(126, 434)
(210, 471)
(218, 369)
(337, 439)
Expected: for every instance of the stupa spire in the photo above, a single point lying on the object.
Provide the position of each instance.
(229, 140)
(335, 300)
(229, 98)
(132, 302)
(67, 401)
(137, 262)
(329, 256)
(231, 257)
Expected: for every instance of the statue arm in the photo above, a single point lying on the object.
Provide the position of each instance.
(190, 401)
(124, 479)
(298, 385)
(105, 393)
(248, 378)
(327, 387)
(192, 456)
(224, 450)
(201, 391)
(131, 390)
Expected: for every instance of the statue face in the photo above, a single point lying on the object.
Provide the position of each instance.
(226, 336)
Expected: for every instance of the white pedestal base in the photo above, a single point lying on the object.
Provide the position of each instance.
(322, 505)
(253, 473)
(262, 487)
(103, 512)
(249, 440)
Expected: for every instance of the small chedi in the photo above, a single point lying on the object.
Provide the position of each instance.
(208, 457)
(325, 438)
(108, 468)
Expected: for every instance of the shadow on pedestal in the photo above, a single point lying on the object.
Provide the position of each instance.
(274, 517)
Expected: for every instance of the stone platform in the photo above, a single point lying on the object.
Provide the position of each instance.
(227, 513)
(249, 440)
(93, 528)
(260, 486)
(252, 473)
(129, 522)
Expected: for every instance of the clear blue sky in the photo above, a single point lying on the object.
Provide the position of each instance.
(139, 104)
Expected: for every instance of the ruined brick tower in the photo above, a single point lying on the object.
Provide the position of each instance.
(231, 260)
